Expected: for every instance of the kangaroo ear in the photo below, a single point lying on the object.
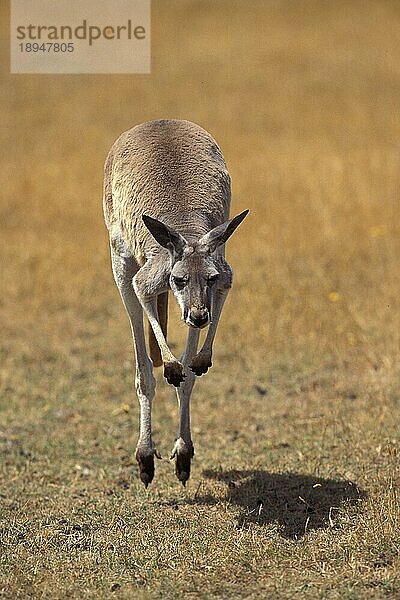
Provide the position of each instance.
(166, 236)
(217, 236)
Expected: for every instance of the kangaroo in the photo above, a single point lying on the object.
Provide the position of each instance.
(166, 206)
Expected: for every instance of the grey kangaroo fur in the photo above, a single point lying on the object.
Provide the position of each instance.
(166, 206)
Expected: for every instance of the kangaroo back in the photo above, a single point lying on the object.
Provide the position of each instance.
(167, 169)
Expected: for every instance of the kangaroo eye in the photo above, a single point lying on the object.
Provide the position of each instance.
(212, 279)
(180, 282)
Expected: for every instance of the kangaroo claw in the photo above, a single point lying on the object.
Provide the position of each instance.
(201, 363)
(145, 460)
(183, 454)
(173, 373)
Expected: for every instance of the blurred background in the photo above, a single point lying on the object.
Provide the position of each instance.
(303, 99)
(303, 102)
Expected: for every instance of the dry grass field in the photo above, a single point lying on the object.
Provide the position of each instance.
(294, 487)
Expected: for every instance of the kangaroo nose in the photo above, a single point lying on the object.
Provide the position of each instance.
(198, 317)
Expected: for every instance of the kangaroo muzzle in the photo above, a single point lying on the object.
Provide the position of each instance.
(198, 317)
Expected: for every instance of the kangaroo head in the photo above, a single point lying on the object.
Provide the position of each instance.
(195, 270)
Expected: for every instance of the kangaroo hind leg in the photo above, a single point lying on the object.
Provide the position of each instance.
(183, 449)
(124, 268)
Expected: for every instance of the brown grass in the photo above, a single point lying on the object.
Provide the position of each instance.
(294, 486)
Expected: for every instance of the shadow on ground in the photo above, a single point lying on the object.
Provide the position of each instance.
(297, 503)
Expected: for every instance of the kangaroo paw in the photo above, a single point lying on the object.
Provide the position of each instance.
(201, 363)
(145, 460)
(183, 454)
(173, 373)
